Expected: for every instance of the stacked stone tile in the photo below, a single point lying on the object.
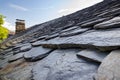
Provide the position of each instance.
(80, 46)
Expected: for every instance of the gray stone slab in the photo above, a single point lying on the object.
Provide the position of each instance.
(15, 57)
(104, 40)
(112, 12)
(94, 22)
(113, 23)
(64, 65)
(69, 29)
(74, 32)
(36, 53)
(110, 67)
(37, 43)
(48, 37)
(26, 48)
(37, 39)
(92, 55)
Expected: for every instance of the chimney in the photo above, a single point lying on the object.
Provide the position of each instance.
(20, 25)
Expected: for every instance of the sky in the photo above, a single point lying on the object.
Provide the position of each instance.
(39, 11)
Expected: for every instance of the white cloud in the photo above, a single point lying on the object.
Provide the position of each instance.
(67, 11)
(76, 5)
(17, 7)
(63, 10)
(9, 26)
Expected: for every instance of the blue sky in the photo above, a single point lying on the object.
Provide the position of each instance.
(38, 11)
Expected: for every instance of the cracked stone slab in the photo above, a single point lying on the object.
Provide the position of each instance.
(92, 55)
(36, 53)
(113, 23)
(64, 65)
(110, 67)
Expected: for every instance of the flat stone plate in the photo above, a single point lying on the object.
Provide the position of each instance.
(64, 65)
(110, 67)
(92, 54)
(36, 53)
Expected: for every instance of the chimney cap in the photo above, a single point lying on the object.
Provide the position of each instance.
(19, 20)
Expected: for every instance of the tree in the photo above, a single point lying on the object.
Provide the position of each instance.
(3, 31)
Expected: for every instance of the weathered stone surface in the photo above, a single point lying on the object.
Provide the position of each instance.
(15, 57)
(21, 45)
(26, 48)
(18, 70)
(16, 50)
(92, 54)
(48, 37)
(37, 43)
(112, 12)
(103, 40)
(113, 23)
(70, 24)
(36, 53)
(92, 23)
(110, 67)
(21, 74)
(64, 65)
(73, 32)
(4, 59)
(69, 29)
(37, 39)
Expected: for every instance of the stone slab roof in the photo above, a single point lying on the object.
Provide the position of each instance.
(80, 46)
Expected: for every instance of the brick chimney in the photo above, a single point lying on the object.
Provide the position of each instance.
(20, 25)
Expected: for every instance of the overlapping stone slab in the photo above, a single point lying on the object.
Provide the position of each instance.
(94, 22)
(21, 48)
(36, 53)
(64, 65)
(103, 40)
(15, 57)
(92, 55)
(40, 38)
(48, 37)
(113, 23)
(110, 67)
(74, 32)
(69, 29)
(112, 12)
(26, 48)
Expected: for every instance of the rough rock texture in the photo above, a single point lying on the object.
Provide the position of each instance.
(67, 48)
(110, 67)
(36, 54)
(15, 57)
(113, 23)
(103, 40)
(93, 55)
(64, 65)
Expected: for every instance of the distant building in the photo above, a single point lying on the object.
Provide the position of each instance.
(20, 25)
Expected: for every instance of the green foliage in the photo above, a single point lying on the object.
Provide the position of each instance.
(3, 31)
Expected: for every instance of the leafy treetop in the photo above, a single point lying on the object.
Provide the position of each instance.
(3, 31)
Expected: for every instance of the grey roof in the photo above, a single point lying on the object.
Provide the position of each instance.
(79, 46)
